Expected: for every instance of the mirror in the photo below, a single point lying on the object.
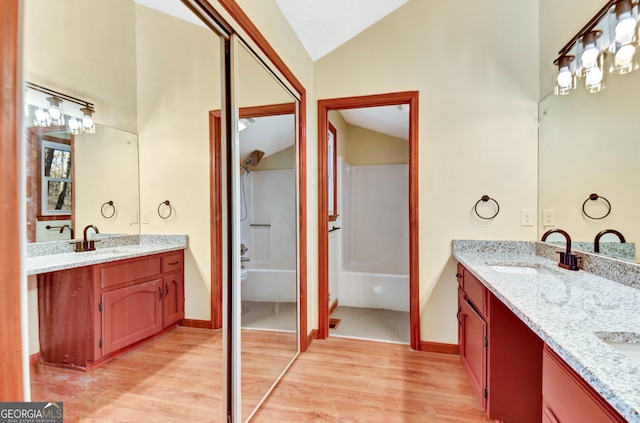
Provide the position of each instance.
(268, 230)
(153, 78)
(93, 180)
(588, 144)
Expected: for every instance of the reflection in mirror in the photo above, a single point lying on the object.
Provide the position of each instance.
(71, 177)
(153, 77)
(588, 144)
(268, 231)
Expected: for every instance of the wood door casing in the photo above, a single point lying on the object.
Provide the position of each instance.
(324, 106)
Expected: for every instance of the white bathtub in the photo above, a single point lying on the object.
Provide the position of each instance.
(275, 285)
(374, 290)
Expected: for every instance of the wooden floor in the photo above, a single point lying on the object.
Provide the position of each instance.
(177, 378)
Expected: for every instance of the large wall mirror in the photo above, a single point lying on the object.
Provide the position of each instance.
(268, 219)
(152, 76)
(589, 144)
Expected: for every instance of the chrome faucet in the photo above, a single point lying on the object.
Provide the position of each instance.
(596, 242)
(567, 260)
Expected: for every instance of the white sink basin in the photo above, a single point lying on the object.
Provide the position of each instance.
(522, 270)
(627, 344)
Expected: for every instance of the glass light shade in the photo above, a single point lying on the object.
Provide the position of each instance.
(41, 118)
(564, 76)
(55, 111)
(73, 126)
(87, 125)
(589, 48)
(623, 18)
(595, 77)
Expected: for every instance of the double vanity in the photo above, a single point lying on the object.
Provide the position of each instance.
(541, 343)
(93, 305)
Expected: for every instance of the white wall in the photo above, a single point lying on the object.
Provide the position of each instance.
(477, 71)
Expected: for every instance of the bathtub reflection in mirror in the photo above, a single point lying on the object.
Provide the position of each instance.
(268, 231)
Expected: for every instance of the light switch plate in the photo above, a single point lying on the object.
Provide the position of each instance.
(548, 217)
(526, 217)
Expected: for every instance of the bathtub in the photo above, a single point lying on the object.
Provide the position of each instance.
(274, 285)
(373, 290)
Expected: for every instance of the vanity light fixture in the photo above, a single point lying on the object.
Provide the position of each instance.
(608, 43)
(565, 77)
(87, 126)
(55, 112)
(47, 107)
(591, 57)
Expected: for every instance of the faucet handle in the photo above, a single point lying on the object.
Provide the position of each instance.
(569, 261)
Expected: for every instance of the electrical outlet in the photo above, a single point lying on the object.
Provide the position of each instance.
(526, 217)
(145, 217)
(548, 217)
(134, 217)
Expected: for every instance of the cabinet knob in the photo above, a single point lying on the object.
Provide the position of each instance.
(458, 275)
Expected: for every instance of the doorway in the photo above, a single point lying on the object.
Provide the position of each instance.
(328, 211)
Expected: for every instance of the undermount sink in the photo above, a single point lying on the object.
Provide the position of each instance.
(627, 344)
(522, 270)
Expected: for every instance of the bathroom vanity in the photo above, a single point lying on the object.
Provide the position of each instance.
(91, 311)
(537, 342)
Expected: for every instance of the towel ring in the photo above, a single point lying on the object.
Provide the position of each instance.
(166, 203)
(486, 198)
(107, 205)
(594, 197)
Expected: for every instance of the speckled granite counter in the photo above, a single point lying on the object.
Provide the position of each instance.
(566, 310)
(51, 256)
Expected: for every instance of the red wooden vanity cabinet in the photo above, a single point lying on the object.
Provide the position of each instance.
(500, 354)
(567, 398)
(89, 314)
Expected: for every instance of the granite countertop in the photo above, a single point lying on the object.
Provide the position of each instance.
(570, 311)
(59, 255)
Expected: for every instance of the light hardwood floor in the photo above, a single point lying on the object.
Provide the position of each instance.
(177, 378)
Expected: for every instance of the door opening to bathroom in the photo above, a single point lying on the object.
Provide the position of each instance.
(368, 218)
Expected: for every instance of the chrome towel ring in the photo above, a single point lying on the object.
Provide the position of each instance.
(484, 199)
(595, 197)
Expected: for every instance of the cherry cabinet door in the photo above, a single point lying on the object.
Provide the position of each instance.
(131, 314)
(173, 308)
(473, 353)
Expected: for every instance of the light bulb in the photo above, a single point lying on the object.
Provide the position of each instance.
(41, 118)
(87, 121)
(54, 112)
(594, 76)
(564, 77)
(590, 55)
(73, 125)
(625, 28)
(625, 55)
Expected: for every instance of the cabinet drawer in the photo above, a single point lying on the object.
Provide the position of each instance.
(173, 261)
(476, 292)
(116, 274)
(567, 398)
